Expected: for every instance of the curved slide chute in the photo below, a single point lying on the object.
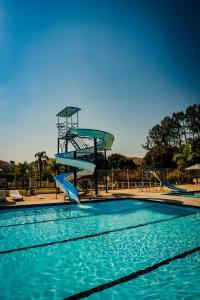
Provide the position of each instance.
(85, 168)
(170, 186)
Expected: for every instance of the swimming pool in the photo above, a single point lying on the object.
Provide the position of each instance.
(195, 194)
(122, 249)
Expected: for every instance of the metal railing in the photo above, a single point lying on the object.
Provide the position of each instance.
(125, 185)
(116, 185)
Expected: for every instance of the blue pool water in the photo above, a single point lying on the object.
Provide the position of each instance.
(195, 194)
(124, 249)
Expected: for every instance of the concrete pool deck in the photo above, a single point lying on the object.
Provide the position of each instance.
(163, 195)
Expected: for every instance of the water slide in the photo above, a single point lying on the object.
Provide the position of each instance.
(85, 168)
(170, 186)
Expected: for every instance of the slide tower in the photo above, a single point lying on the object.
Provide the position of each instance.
(74, 147)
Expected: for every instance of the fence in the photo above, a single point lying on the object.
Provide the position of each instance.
(116, 179)
(90, 185)
(125, 185)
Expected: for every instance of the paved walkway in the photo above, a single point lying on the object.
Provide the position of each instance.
(156, 195)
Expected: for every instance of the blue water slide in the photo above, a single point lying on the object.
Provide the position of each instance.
(168, 185)
(85, 168)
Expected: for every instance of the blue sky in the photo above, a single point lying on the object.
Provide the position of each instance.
(127, 64)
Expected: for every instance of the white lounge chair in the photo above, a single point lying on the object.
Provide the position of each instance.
(16, 195)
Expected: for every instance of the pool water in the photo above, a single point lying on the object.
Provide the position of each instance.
(189, 194)
(124, 249)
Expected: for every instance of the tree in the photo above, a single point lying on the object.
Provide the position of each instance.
(52, 167)
(160, 157)
(192, 118)
(41, 162)
(184, 157)
(118, 161)
(154, 138)
(12, 171)
(167, 139)
(22, 172)
(196, 151)
(179, 128)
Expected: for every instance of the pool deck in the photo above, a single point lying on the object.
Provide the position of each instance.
(163, 195)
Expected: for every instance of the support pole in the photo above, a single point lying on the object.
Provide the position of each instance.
(106, 171)
(95, 172)
(58, 151)
(58, 166)
(75, 174)
(66, 150)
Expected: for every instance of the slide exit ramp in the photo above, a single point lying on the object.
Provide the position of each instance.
(85, 168)
(168, 185)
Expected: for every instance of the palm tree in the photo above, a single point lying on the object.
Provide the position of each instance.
(52, 170)
(53, 167)
(13, 170)
(23, 172)
(41, 162)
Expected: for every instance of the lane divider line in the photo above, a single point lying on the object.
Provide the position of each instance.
(131, 276)
(75, 217)
(92, 235)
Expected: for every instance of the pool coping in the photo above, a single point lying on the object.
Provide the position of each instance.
(146, 199)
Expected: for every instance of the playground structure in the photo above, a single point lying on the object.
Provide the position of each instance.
(163, 183)
(83, 143)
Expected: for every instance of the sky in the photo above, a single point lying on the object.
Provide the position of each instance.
(126, 64)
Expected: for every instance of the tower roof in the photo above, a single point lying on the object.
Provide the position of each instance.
(68, 111)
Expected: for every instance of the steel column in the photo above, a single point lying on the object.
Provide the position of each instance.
(95, 172)
(75, 174)
(106, 171)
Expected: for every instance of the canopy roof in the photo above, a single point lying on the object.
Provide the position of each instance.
(68, 111)
(193, 167)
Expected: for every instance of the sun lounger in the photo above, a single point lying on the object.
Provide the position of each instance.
(16, 195)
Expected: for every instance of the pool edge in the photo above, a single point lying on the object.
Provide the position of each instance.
(21, 206)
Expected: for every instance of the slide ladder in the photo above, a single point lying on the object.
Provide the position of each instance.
(84, 168)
